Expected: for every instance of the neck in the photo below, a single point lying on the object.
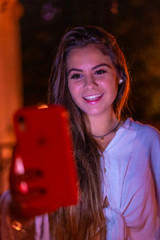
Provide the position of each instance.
(100, 125)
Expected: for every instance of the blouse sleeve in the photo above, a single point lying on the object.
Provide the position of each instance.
(37, 229)
(155, 164)
(7, 231)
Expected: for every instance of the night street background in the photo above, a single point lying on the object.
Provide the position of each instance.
(135, 24)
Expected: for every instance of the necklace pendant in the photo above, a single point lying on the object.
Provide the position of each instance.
(111, 131)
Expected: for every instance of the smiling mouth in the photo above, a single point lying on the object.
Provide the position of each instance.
(93, 98)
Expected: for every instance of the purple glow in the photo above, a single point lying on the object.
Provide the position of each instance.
(49, 11)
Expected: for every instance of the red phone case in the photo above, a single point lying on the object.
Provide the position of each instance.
(44, 143)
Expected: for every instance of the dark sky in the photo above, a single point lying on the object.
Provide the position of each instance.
(135, 23)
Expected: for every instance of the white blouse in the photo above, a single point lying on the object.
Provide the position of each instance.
(132, 183)
(131, 164)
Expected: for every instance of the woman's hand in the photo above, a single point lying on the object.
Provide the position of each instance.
(26, 186)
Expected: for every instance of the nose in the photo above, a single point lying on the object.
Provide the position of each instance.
(90, 82)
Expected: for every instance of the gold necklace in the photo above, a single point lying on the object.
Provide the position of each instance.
(112, 130)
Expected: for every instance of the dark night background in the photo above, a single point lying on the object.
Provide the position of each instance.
(136, 25)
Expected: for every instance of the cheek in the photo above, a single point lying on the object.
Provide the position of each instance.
(115, 90)
(111, 85)
(73, 88)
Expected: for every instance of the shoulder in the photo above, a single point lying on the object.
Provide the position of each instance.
(145, 130)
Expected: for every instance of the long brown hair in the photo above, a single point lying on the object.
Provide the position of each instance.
(86, 218)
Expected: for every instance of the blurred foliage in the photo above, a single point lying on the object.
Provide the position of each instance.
(138, 29)
(135, 23)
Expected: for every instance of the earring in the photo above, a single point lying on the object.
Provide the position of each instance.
(120, 81)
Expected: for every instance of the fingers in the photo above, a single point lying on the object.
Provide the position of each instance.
(31, 194)
(29, 175)
(27, 183)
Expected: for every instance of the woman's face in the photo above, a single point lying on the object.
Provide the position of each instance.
(92, 80)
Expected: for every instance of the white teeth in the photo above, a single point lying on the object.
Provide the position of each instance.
(93, 97)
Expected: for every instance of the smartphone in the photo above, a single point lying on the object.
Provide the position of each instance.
(44, 143)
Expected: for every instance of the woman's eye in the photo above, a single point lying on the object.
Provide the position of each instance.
(100, 71)
(76, 76)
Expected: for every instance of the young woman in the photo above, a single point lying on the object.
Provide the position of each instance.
(118, 159)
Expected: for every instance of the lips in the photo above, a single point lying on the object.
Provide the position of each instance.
(93, 98)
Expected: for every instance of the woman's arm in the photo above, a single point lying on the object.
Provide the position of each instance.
(11, 227)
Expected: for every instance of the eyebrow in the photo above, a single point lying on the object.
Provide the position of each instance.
(101, 65)
(74, 69)
(97, 66)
